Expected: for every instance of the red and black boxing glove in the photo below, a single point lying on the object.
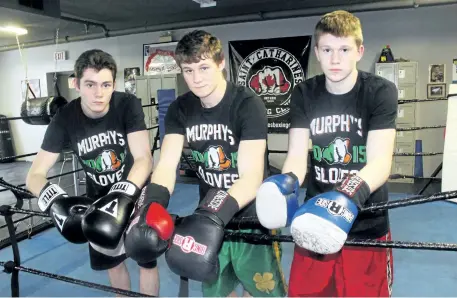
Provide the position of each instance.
(198, 238)
(151, 225)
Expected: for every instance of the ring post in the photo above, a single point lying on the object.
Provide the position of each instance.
(5, 210)
(450, 143)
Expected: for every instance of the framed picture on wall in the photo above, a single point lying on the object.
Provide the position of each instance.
(159, 59)
(130, 75)
(33, 91)
(436, 90)
(437, 73)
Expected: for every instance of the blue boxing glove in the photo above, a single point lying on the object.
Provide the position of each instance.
(277, 200)
(322, 224)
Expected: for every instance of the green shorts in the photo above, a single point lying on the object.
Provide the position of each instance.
(256, 267)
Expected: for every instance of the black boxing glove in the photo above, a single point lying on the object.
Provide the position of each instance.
(66, 212)
(105, 221)
(151, 227)
(198, 238)
(67, 215)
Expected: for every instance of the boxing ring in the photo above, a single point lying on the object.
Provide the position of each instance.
(14, 248)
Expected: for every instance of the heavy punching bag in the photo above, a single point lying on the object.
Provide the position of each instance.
(39, 111)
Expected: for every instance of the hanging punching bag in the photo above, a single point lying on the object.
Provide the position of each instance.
(39, 111)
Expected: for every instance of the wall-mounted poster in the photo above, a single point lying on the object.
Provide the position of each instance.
(159, 59)
(271, 68)
(130, 75)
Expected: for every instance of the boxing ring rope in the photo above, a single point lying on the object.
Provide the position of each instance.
(401, 176)
(10, 267)
(417, 153)
(393, 154)
(45, 116)
(406, 101)
(13, 267)
(415, 200)
(7, 186)
(2, 159)
(419, 127)
(265, 239)
(241, 223)
(21, 194)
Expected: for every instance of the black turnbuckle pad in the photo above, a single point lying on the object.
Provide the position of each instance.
(5, 210)
(9, 267)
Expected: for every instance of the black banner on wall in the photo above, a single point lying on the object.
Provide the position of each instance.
(271, 68)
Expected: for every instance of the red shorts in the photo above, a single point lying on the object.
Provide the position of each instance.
(354, 271)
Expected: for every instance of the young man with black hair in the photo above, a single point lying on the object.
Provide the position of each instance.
(106, 131)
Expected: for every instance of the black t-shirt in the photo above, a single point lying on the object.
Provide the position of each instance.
(339, 126)
(214, 134)
(101, 144)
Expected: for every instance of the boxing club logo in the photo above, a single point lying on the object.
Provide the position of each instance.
(272, 73)
(189, 245)
(269, 81)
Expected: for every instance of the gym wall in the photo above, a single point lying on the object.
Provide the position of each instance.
(425, 35)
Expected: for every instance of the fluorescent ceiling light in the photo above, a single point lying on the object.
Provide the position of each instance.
(14, 30)
(206, 3)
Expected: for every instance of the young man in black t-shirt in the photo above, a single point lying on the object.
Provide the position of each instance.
(106, 131)
(349, 115)
(225, 127)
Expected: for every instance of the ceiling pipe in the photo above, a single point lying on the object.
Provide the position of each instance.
(374, 6)
(86, 23)
(189, 24)
(362, 7)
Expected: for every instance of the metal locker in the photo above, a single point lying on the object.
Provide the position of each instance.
(169, 82)
(388, 71)
(407, 91)
(155, 83)
(405, 147)
(405, 136)
(407, 73)
(406, 113)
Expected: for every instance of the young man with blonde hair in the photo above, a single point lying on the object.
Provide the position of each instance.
(350, 117)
